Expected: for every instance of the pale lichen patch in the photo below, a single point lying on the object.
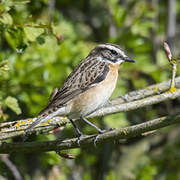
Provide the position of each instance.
(17, 124)
(124, 132)
(156, 89)
(172, 89)
(48, 121)
(64, 118)
(43, 124)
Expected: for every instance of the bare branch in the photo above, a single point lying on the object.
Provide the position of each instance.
(123, 133)
(11, 166)
(133, 100)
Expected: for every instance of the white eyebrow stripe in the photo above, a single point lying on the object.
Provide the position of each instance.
(111, 47)
(109, 61)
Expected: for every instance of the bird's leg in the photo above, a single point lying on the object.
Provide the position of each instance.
(79, 133)
(94, 126)
(98, 129)
(97, 137)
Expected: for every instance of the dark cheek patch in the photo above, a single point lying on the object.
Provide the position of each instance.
(114, 60)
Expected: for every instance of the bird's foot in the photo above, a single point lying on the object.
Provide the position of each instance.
(80, 137)
(100, 133)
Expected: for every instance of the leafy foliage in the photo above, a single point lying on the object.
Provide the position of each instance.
(40, 45)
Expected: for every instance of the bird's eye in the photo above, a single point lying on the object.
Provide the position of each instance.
(114, 52)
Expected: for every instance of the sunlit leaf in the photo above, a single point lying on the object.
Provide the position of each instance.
(12, 103)
(32, 33)
(6, 5)
(20, 2)
(6, 18)
(3, 67)
(15, 38)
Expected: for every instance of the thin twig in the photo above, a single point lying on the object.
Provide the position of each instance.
(173, 61)
(11, 166)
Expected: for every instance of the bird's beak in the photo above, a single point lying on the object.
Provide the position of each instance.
(127, 59)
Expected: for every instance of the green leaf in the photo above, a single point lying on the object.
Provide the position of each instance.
(3, 67)
(15, 38)
(6, 5)
(17, 2)
(12, 103)
(32, 33)
(147, 172)
(40, 39)
(6, 18)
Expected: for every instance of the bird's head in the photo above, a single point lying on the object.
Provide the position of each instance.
(110, 53)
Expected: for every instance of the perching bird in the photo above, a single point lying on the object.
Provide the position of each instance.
(87, 88)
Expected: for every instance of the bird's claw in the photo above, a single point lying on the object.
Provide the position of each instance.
(100, 133)
(80, 138)
(96, 139)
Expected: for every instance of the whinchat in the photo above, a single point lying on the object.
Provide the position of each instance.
(87, 88)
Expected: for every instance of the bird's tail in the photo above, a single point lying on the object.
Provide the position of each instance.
(41, 119)
(34, 124)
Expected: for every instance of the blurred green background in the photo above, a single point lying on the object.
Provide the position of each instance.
(43, 40)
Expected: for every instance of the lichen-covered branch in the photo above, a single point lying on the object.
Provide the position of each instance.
(133, 100)
(123, 133)
(146, 92)
(136, 104)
